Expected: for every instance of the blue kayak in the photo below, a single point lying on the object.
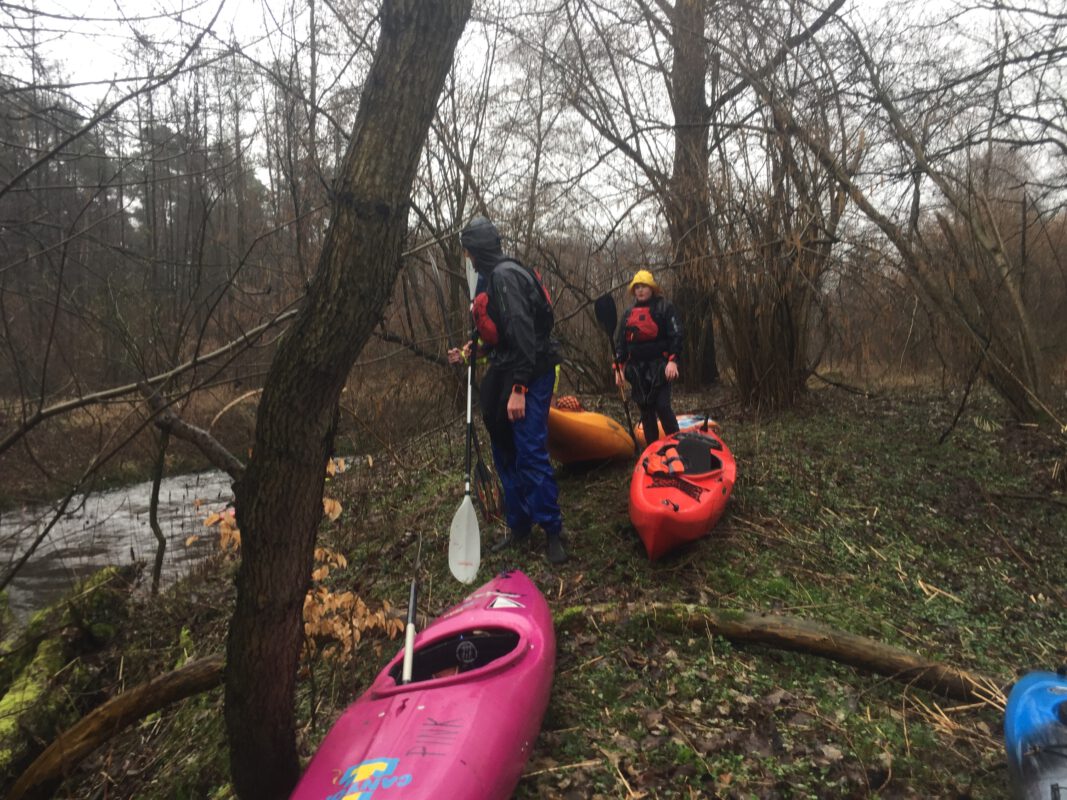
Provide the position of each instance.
(1035, 736)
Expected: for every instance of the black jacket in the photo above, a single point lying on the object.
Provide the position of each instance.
(523, 318)
(666, 345)
(517, 306)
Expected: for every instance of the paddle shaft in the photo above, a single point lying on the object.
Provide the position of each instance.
(482, 471)
(608, 317)
(470, 422)
(464, 538)
(409, 634)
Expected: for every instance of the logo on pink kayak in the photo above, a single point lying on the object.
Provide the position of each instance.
(362, 781)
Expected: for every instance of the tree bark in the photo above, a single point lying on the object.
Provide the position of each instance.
(279, 498)
(688, 204)
(63, 755)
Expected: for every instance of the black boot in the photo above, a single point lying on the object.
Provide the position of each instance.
(517, 539)
(554, 550)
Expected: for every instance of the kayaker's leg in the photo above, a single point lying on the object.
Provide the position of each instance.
(664, 410)
(637, 373)
(534, 470)
(516, 512)
(494, 397)
(648, 423)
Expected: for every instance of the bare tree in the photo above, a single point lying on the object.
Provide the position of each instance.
(938, 133)
(279, 499)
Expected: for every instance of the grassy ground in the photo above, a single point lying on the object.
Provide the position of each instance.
(847, 511)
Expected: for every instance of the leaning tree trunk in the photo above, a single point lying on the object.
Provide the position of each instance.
(688, 205)
(279, 498)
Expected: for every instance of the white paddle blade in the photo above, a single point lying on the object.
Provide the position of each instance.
(472, 278)
(464, 543)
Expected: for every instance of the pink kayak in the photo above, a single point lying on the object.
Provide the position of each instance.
(465, 725)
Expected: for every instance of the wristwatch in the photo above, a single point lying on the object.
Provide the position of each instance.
(518, 388)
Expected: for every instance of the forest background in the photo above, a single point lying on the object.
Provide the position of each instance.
(830, 193)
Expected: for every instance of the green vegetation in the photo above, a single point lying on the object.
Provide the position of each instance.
(846, 511)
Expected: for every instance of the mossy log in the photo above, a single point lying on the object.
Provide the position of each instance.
(47, 677)
(814, 638)
(103, 722)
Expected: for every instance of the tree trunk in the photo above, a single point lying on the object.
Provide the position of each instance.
(279, 498)
(688, 205)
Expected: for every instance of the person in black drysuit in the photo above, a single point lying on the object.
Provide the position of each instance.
(647, 345)
(517, 388)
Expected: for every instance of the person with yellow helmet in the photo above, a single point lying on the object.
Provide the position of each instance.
(647, 346)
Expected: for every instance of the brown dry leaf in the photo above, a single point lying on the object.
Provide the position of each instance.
(229, 539)
(652, 718)
(212, 519)
(331, 508)
(190, 539)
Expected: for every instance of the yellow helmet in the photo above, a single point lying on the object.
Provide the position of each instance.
(645, 277)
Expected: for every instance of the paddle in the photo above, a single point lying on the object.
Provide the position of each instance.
(608, 318)
(409, 634)
(488, 493)
(465, 540)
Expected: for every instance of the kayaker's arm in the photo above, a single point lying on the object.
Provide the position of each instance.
(675, 332)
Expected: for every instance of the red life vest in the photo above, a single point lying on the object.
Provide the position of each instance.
(640, 326)
(482, 321)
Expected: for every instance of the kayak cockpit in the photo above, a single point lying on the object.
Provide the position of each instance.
(687, 452)
(460, 653)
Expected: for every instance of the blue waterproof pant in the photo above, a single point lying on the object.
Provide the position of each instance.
(520, 451)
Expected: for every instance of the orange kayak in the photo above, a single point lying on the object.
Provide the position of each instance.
(586, 436)
(679, 489)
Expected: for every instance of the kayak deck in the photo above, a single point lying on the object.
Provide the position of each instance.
(464, 726)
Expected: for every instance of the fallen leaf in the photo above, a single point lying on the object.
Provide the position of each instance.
(331, 508)
(832, 753)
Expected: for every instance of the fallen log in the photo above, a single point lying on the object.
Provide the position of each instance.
(103, 722)
(806, 636)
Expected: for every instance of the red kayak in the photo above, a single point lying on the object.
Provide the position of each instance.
(465, 725)
(679, 489)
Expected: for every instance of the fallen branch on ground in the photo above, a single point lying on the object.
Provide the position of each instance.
(103, 722)
(806, 636)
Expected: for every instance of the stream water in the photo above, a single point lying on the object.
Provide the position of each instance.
(109, 528)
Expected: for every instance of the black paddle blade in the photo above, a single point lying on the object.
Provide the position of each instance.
(488, 493)
(606, 313)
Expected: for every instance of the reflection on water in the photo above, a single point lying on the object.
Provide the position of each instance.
(109, 528)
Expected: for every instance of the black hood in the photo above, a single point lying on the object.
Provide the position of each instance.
(482, 240)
